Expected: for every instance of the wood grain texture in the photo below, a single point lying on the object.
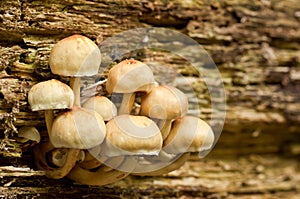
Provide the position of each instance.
(255, 44)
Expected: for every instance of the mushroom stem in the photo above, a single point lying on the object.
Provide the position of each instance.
(111, 163)
(167, 169)
(127, 103)
(75, 85)
(49, 117)
(40, 152)
(91, 164)
(90, 159)
(58, 157)
(165, 127)
(98, 177)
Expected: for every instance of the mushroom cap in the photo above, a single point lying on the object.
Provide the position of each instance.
(164, 102)
(130, 76)
(78, 128)
(132, 135)
(75, 56)
(26, 133)
(103, 106)
(51, 94)
(189, 134)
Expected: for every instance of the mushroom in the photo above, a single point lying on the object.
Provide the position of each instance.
(128, 77)
(164, 103)
(50, 95)
(75, 56)
(189, 134)
(26, 133)
(131, 135)
(103, 106)
(78, 128)
(58, 157)
(27, 136)
(100, 176)
(40, 153)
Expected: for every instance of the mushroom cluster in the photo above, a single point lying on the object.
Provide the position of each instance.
(101, 140)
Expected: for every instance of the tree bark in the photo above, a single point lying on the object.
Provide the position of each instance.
(255, 44)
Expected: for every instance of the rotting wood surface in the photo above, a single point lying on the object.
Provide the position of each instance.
(255, 176)
(255, 45)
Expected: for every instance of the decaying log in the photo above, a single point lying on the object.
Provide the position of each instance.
(255, 177)
(255, 44)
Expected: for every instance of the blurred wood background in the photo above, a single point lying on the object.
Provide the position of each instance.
(254, 43)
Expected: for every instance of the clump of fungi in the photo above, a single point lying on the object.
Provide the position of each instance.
(100, 142)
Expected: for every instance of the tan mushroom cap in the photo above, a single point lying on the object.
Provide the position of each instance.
(164, 102)
(75, 56)
(132, 135)
(26, 133)
(189, 134)
(103, 106)
(129, 76)
(51, 94)
(78, 128)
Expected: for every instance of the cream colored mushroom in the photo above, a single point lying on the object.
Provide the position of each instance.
(164, 103)
(40, 153)
(189, 134)
(131, 135)
(103, 106)
(26, 133)
(75, 56)
(58, 157)
(50, 95)
(78, 128)
(128, 77)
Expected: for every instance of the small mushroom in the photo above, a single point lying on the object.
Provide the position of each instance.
(189, 134)
(28, 133)
(75, 56)
(103, 106)
(131, 135)
(50, 95)
(40, 153)
(128, 77)
(58, 157)
(78, 128)
(27, 136)
(164, 103)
